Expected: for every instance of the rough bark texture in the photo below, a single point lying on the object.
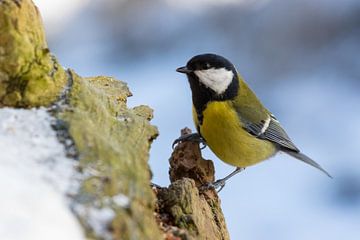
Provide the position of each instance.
(29, 74)
(110, 141)
(113, 144)
(184, 211)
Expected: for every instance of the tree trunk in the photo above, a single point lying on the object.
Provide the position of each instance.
(110, 141)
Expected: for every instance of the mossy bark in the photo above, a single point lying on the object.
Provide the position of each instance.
(113, 144)
(187, 209)
(110, 141)
(29, 74)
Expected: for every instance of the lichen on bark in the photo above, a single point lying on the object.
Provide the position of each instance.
(29, 74)
(113, 142)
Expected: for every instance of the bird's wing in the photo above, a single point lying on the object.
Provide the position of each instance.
(258, 121)
(270, 129)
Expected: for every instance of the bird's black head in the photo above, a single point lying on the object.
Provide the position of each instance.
(208, 61)
(212, 71)
(211, 75)
(212, 78)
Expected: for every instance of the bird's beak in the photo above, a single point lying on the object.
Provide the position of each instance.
(183, 70)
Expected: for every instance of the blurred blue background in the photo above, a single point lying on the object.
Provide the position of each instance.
(301, 57)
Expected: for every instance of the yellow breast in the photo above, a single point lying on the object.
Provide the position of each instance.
(226, 137)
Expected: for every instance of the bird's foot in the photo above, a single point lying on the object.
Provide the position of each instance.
(221, 182)
(192, 137)
(218, 184)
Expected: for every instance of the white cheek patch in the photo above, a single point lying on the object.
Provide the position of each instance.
(216, 79)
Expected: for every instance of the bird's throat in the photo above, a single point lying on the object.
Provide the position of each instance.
(202, 95)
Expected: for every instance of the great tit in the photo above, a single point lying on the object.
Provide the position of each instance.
(231, 119)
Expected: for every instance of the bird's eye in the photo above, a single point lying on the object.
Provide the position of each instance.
(204, 66)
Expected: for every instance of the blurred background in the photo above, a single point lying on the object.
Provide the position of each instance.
(301, 57)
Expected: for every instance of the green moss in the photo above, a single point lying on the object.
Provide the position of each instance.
(113, 144)
(30, 76)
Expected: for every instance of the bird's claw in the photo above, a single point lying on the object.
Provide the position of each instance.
(193, 137)
(221, 182)
(215, 185)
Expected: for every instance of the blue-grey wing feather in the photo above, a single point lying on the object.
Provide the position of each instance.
(274, 133)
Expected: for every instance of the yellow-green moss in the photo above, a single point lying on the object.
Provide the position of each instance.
(29, 75)
(113, 144)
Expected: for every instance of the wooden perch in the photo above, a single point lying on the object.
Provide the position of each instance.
(183, 211)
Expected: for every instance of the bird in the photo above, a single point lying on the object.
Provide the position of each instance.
(231, 120)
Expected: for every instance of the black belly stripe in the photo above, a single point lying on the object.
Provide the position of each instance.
(200, 118)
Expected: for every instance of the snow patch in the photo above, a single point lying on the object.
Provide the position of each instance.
(35, 178)
(98, 219)
(122, 200)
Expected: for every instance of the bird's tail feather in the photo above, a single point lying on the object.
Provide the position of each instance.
(306, 159)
